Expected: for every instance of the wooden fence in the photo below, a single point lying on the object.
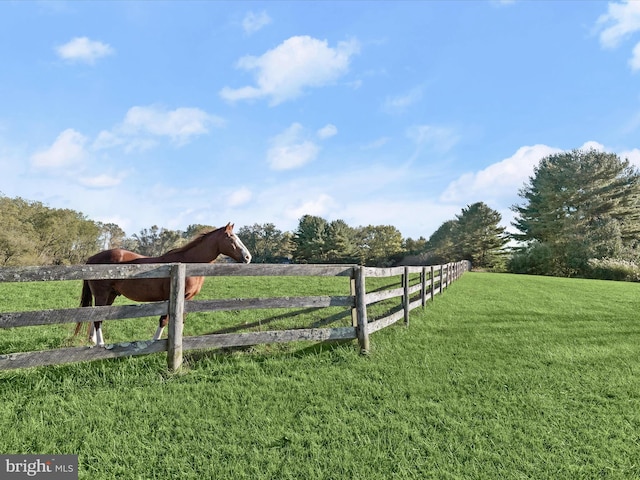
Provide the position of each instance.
(432, 280)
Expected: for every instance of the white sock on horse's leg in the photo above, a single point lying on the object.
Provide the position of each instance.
(99, 339)
(92, 333)
(158, 333)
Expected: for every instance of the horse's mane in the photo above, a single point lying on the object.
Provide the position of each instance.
(198, 239)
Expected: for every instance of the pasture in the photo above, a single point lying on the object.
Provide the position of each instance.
(502, 376)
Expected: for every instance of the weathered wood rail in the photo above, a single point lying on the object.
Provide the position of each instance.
(432, 281)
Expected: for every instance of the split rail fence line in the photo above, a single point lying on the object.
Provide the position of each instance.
(432, 281)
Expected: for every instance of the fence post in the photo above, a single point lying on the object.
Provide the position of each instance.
(446, 276)
(433, 283)
(423, 286)
(361, 307)
(405, 297)
(176, 317)
(354, 294)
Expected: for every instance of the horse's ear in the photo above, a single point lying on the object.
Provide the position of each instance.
(229, 228)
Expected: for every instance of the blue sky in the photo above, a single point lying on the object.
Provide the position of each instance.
(382, 113)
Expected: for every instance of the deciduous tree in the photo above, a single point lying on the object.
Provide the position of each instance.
(155, 241)
(379, 246)
(266, 243)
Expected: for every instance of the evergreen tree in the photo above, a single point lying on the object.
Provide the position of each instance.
(441, 244)
(478, 237)
(579, 205)
(340, 243)
(309, 240)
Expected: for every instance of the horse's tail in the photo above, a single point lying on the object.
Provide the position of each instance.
(86, 300)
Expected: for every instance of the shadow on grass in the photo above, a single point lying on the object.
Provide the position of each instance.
(266, 321)
(192, 358)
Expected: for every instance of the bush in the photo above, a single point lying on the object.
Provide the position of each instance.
(614, 269)
(536, 259)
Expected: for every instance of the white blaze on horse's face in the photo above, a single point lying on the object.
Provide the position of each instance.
(245, 255)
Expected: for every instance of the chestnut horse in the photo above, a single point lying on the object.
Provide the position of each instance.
(204, 249)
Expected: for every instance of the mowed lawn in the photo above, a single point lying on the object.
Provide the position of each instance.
(502, 376)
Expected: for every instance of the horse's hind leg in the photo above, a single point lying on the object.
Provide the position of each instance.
(105, 298)
(164, 320)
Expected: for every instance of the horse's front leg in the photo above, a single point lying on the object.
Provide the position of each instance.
(164, 320)
(95, 334)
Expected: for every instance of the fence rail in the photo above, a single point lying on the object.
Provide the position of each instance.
(432, 280)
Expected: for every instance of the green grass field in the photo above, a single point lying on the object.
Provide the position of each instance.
(502, 376)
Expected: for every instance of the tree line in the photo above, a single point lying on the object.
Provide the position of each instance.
(32, 233)
(580, 216)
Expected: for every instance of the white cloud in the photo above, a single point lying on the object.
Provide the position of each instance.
(499, 180)
(378, 143)
(142, 126)
(417, 217)
(180, 124)
(291, 149)
(381, 200)
(632, 155)
(621, 20)
(68, 149)
(400, 103)
(327, 131)
(439, 138)
(239, 197)
(106, 139)
(82, 49)
(502, 3)
(102, 181)
(318, 206)
(253, 22)
(593, 145)
(634, 61)
(284, 72)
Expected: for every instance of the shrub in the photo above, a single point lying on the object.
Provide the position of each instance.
(536, 259)
(614, 269)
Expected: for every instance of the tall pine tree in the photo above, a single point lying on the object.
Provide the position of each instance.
(579, 205)
(478, 236)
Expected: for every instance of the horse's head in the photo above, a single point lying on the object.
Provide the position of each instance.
(232, 246)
